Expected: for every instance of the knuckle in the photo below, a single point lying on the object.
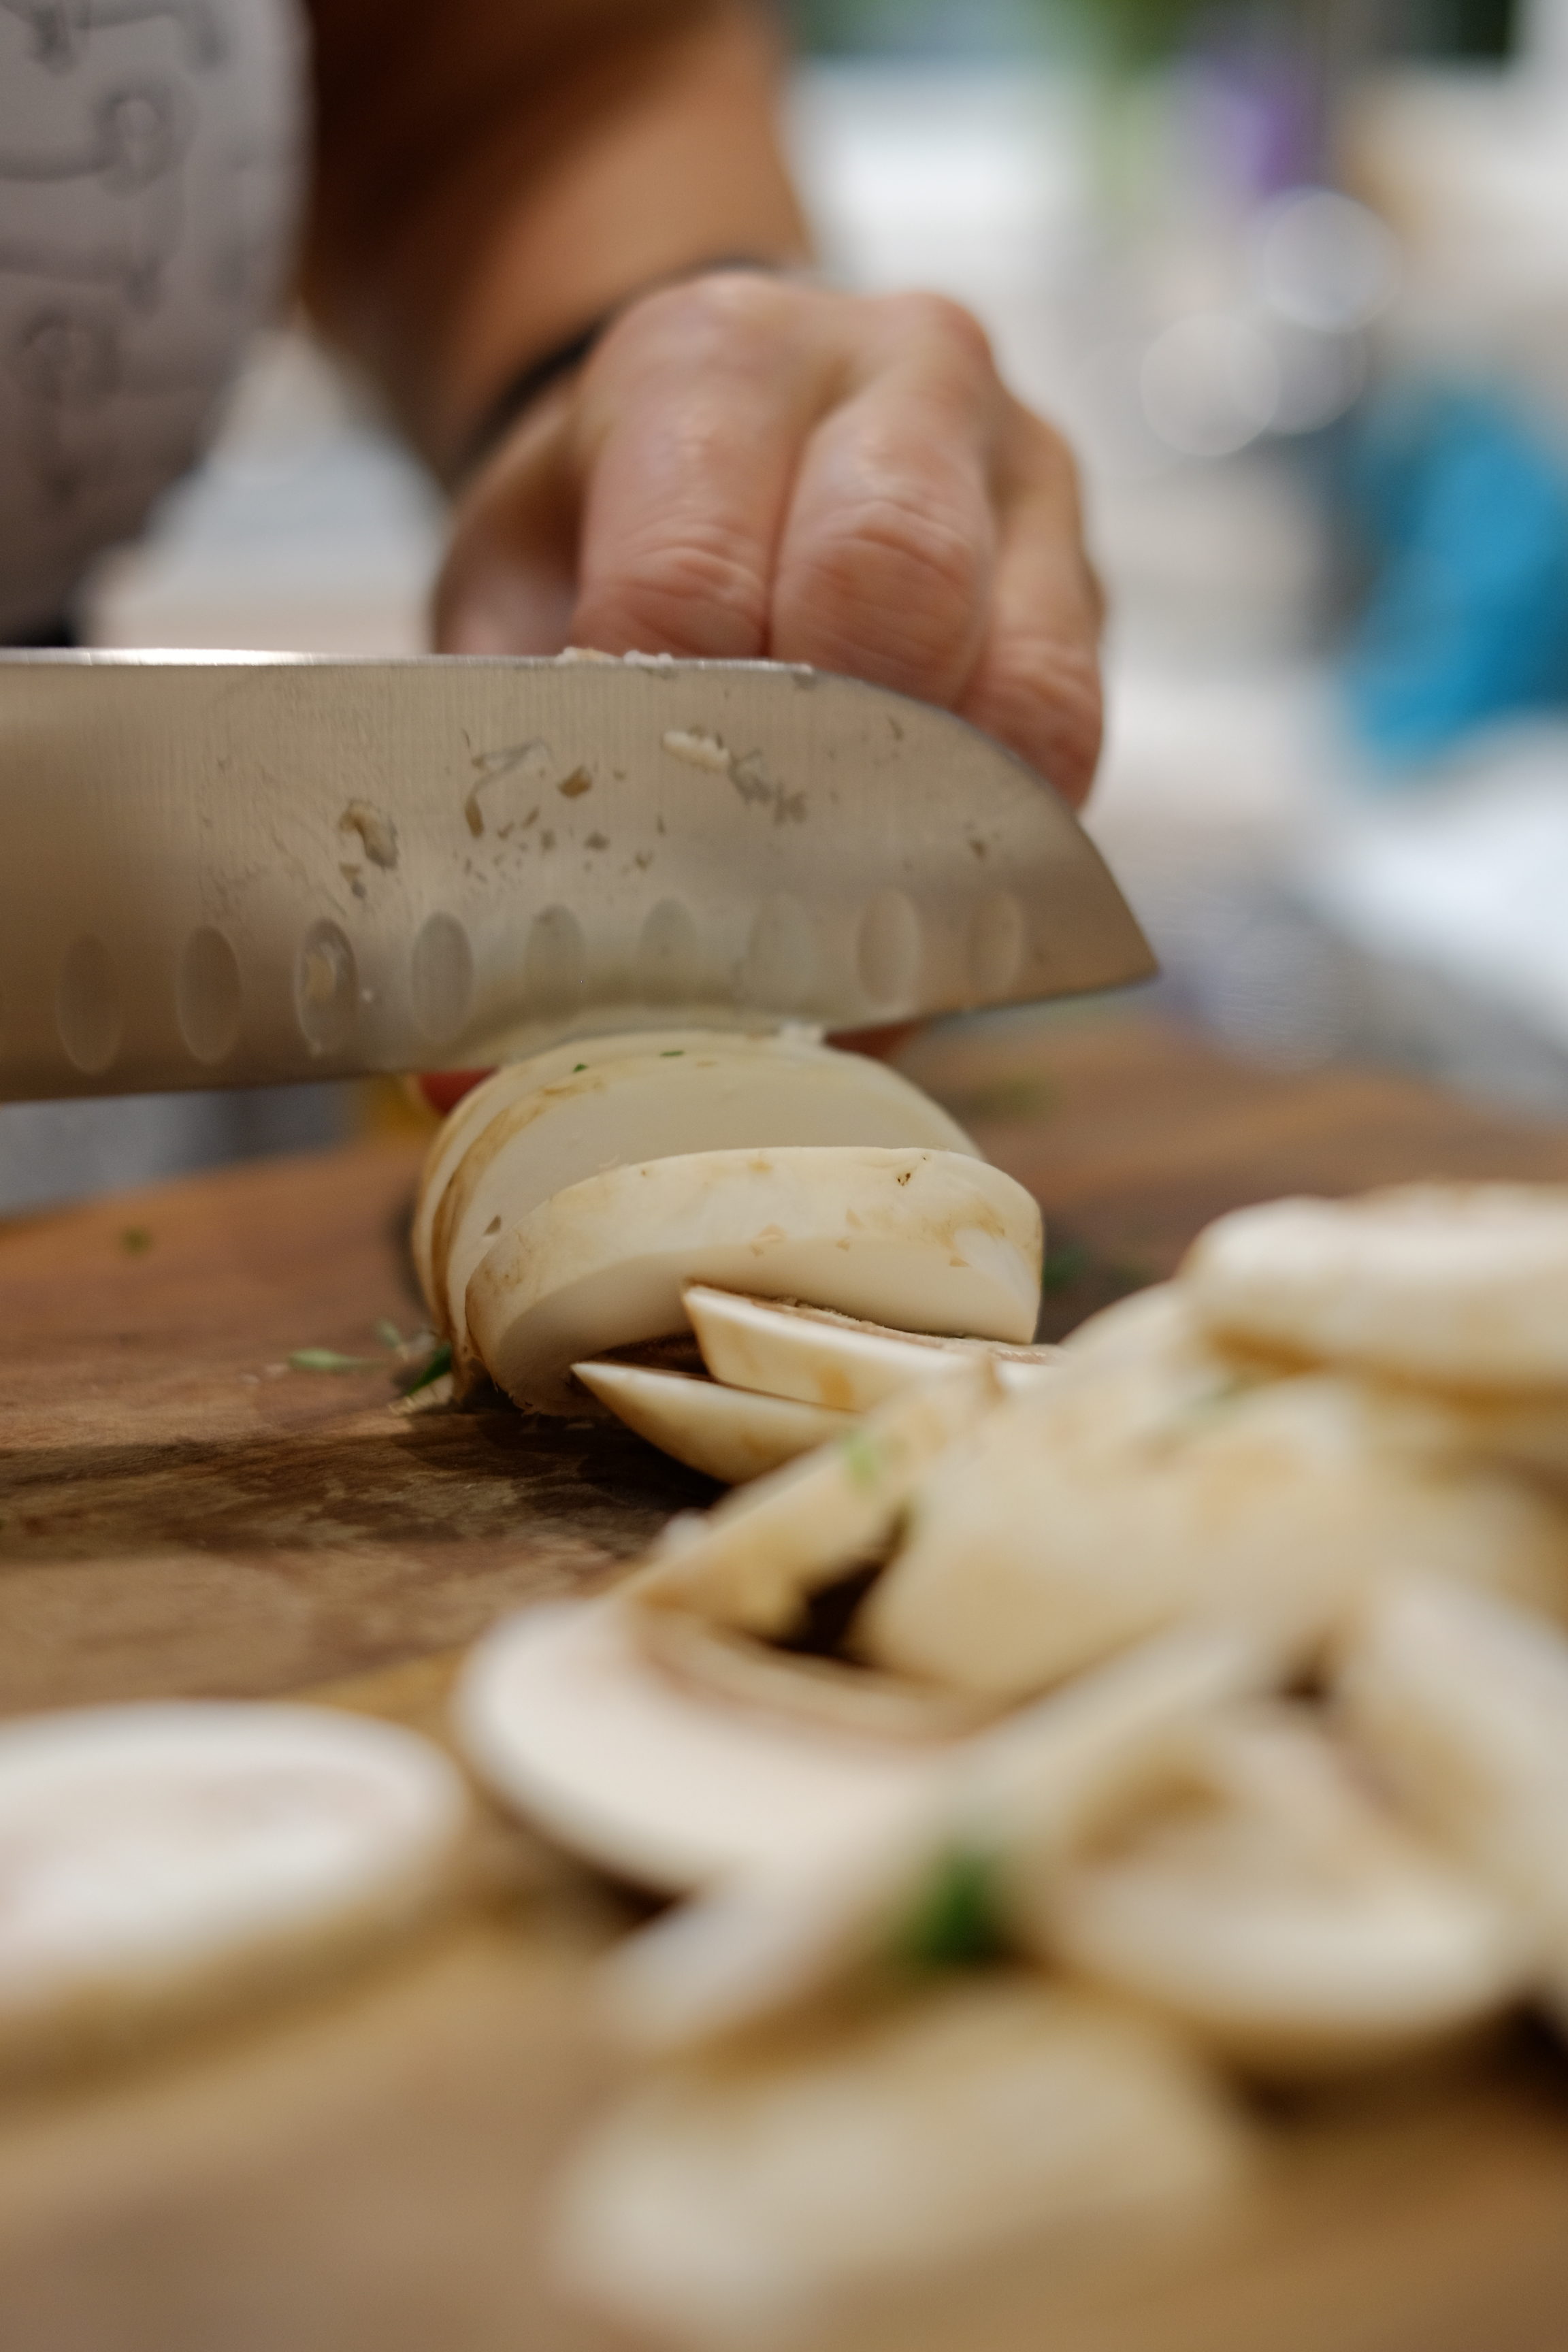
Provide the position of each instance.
(699, 317)
(889, 579)
(941, 324)
(691, 593)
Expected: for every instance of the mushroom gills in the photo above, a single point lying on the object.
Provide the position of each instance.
(568, 1722)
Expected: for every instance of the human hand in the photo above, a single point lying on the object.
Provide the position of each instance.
(754, 467)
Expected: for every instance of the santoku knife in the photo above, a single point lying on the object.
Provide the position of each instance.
(241, 869)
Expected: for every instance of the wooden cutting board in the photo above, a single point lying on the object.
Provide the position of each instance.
(367, 2166)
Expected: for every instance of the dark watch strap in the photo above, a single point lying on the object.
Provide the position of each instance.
(519, 392)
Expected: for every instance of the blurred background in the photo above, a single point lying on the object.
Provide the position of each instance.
(1294, 276)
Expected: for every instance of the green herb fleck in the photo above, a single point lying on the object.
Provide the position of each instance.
(957, 1921)
(437, 1365)
(1064, 1266)
(578, 1065)
(862, 1459)
(135, 1241)
(673, 1054)
(388, 1334)
(327, 1360)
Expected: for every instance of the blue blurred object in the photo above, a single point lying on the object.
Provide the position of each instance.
(1464, 503)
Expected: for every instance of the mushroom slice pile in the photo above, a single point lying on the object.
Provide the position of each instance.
(566, 1719)
(1459, 1285)
(162, 1859)
(762, 2189)
(1462, 1703)
(649, 1098)
(1254, 1892)
(778, 1933)
(785, 1379)
(727, 1433)
(1129, 1496)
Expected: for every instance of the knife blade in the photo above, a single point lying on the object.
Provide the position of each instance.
(244, 869)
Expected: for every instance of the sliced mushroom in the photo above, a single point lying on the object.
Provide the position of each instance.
(778, 1348)
(566, 1719)
(1462, 1704)
(1254, 1893)
(762, 2192)
(163, 1859)
(1128, 1496)
(1461, 1286)
(774, 1935)
(659, 1097)
(753, 1560)
(474, 1111)
(934, 1235)
(722, 1431)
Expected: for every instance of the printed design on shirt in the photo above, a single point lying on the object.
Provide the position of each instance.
(150, 160)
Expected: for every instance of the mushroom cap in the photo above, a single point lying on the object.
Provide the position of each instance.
(169, 1857)
(1461, 1286)
(934, 1236)
(764, 2190)
(1253, 1891)
(574, 1112)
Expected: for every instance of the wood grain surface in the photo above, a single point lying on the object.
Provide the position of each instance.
(367, 2165)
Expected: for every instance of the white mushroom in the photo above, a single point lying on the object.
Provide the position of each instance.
(472, 1114)
(1461, 1286)
(778, 1348)
(1462, 1704)
(1253, 1892)
(167, 1858)
(566, 1719)
(723, 1431)
(762, 2192)
(934, 1236)
(772, 1934)
(658, 1096)
(1126, 1497)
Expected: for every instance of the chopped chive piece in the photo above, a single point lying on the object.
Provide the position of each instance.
(1063, 1267)
(862, 1457)
(435, 1367)
(388, 1334)
(327, 1360)
(578, 1065)
(673, 1054)
(957, 1920)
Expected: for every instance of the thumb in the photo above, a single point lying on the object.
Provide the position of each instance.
(509, 583)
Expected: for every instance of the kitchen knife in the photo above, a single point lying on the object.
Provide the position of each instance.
(239, 869)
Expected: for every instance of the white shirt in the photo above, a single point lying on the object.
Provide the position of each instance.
(152, 163)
